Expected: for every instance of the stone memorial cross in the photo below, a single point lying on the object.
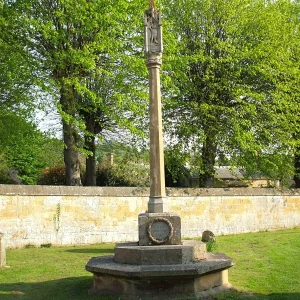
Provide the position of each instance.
(156, 227)
(153, 55)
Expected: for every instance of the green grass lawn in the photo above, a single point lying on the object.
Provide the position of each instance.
(267, 264)
(267, 267)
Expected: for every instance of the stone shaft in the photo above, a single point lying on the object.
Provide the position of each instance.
(157, 172)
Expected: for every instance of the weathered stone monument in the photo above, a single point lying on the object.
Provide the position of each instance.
(160, 264)
(156, 226)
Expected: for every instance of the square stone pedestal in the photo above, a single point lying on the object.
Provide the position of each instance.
(159, 229)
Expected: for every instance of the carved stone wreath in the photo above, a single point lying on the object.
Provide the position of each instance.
(160, 241)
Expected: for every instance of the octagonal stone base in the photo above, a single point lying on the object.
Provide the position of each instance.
(159, 281)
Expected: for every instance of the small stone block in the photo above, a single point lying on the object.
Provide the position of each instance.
(212, 280)
(159, 229)
(199, 249)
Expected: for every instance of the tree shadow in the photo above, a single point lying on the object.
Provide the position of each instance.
(76, 288)
(92, 251)
(235, 294)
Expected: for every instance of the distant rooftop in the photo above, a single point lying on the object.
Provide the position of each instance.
(226, 172)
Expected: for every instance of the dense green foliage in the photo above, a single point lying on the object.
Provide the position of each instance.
(230, 80)
(127, 173)
(126, 167)
(79, 50)
(25, 151)
(15, 69)
(20, 146)
(234, 78)
(54, 175)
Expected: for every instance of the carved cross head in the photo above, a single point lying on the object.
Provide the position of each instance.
(153, 32)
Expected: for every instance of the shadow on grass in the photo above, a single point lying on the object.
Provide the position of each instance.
(76, 288)
(236, 295)
(94, 251)
(72, 288)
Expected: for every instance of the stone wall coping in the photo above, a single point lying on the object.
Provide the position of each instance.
(43, 190)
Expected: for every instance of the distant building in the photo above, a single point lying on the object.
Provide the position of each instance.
(228, 177)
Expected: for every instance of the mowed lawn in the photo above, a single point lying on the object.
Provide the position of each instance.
(267, 267)
(267, 264)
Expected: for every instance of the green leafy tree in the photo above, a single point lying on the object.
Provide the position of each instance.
(24, 150)
(52, 149)
(16, 72)
(21, 147)
(119, 108)
(227, 60)
(72, 42)
(292, 88)
(122, 165)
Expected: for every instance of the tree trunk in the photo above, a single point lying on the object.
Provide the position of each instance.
(92, 128)
(90, 173)
(70, 135)
(297, 168)
(209, 150)
(71, 155)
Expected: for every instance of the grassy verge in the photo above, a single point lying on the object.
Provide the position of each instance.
(49, 273)
(267, 267)
(267, 264)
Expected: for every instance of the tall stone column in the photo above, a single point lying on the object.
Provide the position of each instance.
(156, 227)
(153, 54)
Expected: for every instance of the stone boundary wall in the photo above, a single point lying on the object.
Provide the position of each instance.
(63, 215)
